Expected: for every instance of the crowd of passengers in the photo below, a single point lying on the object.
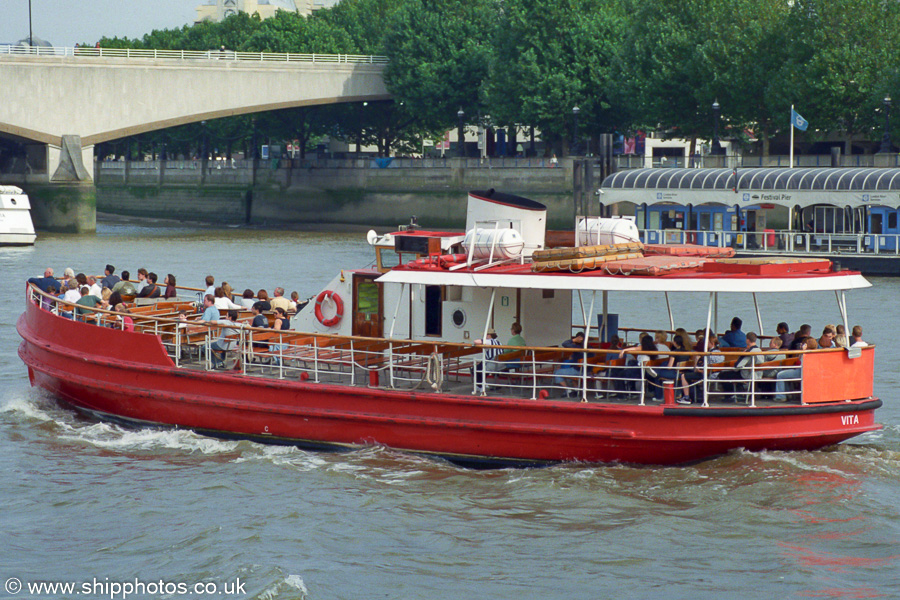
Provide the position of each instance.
(80, 292)
(686, 372)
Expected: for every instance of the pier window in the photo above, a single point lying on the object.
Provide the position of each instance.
(434, 297)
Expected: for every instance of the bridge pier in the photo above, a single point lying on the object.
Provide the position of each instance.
(60, 187)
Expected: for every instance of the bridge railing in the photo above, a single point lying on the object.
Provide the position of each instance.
(192, 54)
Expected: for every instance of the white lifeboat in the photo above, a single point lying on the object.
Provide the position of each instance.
(594, 231)
(500, 244)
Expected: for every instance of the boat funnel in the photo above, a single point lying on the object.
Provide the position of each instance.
(491, 209)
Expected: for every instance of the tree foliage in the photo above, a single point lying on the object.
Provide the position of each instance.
(627, 64)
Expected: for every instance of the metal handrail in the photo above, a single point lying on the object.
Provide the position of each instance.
(787, 241)
(300, 355)
(87, 51)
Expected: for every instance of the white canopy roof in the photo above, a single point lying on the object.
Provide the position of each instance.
(592, 282)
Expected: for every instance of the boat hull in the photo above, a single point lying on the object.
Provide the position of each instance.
(128, 377)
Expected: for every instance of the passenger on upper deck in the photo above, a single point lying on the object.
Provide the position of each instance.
(773, 351)
(223, 344)
(125, 317)
(282, 321)
(784, 332)
(210, 312)
(840, 337)
(247, 299)
(827, 339)
(642, 357)
(569, 367)
(856, 340)
(800, 337)
(295, 300)
(95, 289)
(489, 354)
(111, 278)
(171, 291)
(151, 290)
(71, 293)
(263, 297)
(142, 280)
(223, 303)
(743, 369)
(210, 285)
(660, 340)
(693, 393)
(229, 291)
(279, 301)
(43, 283)
(804, 332)
(734, 338)
(89, 301)
(120, 285)
(259, 319)
(515, 340)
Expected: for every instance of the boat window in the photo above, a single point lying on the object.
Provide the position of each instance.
(433, 299)
(548, 293)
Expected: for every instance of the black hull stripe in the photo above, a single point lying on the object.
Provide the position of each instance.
(808, 409)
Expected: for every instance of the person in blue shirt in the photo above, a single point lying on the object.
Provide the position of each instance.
(44, 283)
(735, 338)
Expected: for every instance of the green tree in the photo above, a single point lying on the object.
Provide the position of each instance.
(439, 53)
(551, 56)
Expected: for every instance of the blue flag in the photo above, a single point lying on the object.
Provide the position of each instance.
(798, 121)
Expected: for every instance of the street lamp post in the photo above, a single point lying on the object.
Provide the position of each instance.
(575, 148)
(460, 134)
(886, 138)
(30, 35)
(716, 147)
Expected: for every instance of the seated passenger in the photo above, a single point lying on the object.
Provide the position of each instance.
(694, 393)
(171, 290)
(743, 369)
(124, 317)
(223, 303)
(263, 297)
(488, 364)
(569, 367)
(515, 340)
(804, 332)
(640, 356)
(225, 341)
(43, 283)
(247, 299)
(857, 341)
(279, 300)
(785, 376)
(827, 339)
(71, 293)
(734, 338)
(784, 332)
(89, 301)
(840, 337)
(151, 290)
(660, 340)
(111, 278)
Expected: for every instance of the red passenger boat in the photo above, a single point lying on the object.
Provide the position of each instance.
(388, 356)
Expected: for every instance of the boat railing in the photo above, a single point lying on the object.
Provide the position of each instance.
(780, 241)
(588, 375)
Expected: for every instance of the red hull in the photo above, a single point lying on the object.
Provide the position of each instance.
(128, 376)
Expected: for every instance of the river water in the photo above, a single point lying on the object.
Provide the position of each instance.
(93, 503)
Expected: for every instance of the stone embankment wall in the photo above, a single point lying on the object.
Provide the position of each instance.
(362, 196)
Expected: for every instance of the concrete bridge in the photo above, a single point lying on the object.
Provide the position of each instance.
(69, 99)
(96, 95)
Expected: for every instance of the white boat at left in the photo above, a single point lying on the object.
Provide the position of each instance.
(16, 228)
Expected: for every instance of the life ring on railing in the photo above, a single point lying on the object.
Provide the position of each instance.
(338, 308)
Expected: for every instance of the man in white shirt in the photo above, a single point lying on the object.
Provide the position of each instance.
(856, 337)
(94, 287)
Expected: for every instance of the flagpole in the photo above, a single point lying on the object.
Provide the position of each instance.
(791, 166)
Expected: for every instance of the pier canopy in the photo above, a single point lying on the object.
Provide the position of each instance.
(842, 186)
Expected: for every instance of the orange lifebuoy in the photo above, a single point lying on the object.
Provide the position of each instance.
(338, 308)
